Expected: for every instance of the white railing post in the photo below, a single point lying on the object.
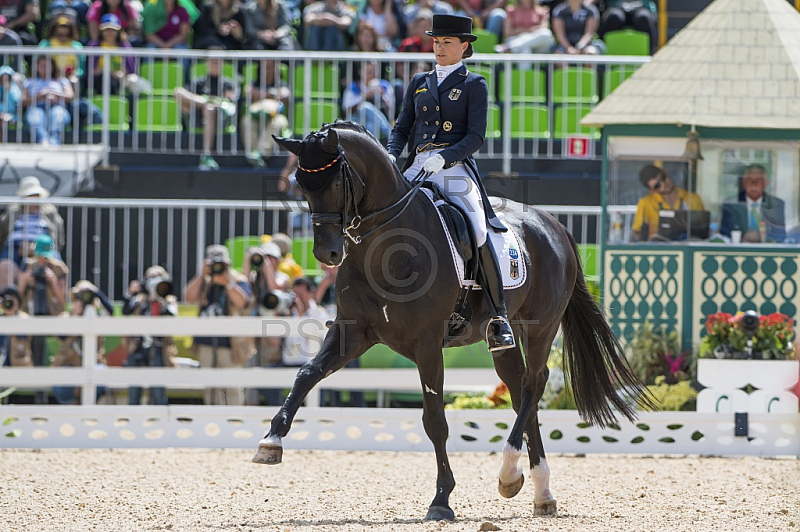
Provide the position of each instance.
(89, 388)
(105, 134)
(201, 241)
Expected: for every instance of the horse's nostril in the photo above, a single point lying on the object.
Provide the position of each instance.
(334, 258)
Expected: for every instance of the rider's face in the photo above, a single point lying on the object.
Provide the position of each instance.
(448, 50)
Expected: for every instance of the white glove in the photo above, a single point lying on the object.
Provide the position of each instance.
(392, 158)
(434, 164)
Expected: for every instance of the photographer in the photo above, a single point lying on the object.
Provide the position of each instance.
(219, 290)
(150, 297)
(300, 349)
(86, 301)
(42, 286)
(14, 350)
(20, 226)
(270, 283)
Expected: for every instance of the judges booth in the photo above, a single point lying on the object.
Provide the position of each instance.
(677, 278)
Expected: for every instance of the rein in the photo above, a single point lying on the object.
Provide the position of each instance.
(348, 196)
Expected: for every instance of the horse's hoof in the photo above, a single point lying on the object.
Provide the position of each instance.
(511, 489)
(440, 513)
(270, 452)
(545, 508)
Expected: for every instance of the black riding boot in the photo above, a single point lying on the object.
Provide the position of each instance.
(498, 334)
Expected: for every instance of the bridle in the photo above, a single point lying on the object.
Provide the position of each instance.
(350, 219)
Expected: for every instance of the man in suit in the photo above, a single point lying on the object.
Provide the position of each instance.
(753, 205)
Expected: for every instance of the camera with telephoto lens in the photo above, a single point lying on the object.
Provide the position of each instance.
(158, 287)
(38, 275)
(750, 321)
(278, 300)
(87, 297)
(256, 260)
(219, 267)
(9, 302)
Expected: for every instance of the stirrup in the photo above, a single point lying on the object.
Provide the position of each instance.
(504, 339)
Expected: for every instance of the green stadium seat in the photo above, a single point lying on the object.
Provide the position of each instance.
(318, 113)
(530, 121)
(615, 75)
(488, 73)
(627, 42)
(575, 85)
(158, 115)
(324, 82)
(165, 76)
(494, 127)
(527, 86)
(237, 248)
(567, 122)
(199, 69)
(119, 117)
(485, 43)
(303, 255)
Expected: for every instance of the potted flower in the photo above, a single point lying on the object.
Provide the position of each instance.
(727, 336)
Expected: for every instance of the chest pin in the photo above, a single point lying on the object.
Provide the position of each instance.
(447, 126)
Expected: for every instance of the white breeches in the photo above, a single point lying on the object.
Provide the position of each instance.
(456, 183)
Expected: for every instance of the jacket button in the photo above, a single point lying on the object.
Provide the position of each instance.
(437, 107)
(433, 136)
(437, 122)
(424, 108)
(426, 123)
(425, 136)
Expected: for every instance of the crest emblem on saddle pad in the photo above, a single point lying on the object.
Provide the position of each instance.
(454, 94)
(513, 265)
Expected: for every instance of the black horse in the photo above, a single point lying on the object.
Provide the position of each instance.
(397, 286)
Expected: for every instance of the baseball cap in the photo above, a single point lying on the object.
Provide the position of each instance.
(110, 21)
(44, 246)
(218, 253)
(271, 249)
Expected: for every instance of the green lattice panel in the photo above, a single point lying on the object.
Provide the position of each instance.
(744, 280)
(643, 286)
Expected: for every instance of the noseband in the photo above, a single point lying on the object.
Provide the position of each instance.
(352, 223)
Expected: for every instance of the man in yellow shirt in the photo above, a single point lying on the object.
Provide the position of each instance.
(664, 195)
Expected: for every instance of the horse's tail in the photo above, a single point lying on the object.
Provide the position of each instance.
(594, 360)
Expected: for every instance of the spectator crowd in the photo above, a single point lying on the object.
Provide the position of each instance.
(47, 97)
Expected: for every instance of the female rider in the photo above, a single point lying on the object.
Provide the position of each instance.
(443, 120)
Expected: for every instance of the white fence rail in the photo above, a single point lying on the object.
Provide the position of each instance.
(91, 426)
(360, 429)
(113, 241)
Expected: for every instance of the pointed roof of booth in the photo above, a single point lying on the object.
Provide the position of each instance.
(736, 65)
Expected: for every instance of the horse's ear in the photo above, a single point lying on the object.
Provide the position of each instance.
(331, 143)
(292, 145)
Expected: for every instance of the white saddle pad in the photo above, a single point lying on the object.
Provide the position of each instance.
(506, 246)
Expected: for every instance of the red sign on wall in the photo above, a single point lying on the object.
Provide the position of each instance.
(578, 147)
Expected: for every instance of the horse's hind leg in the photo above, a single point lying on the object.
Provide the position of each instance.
(544, 503)
(337, 350)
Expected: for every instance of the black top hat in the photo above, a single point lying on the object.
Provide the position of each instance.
(452, 26)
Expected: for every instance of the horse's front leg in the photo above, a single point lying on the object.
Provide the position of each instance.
(337, 350)
(431, 373)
